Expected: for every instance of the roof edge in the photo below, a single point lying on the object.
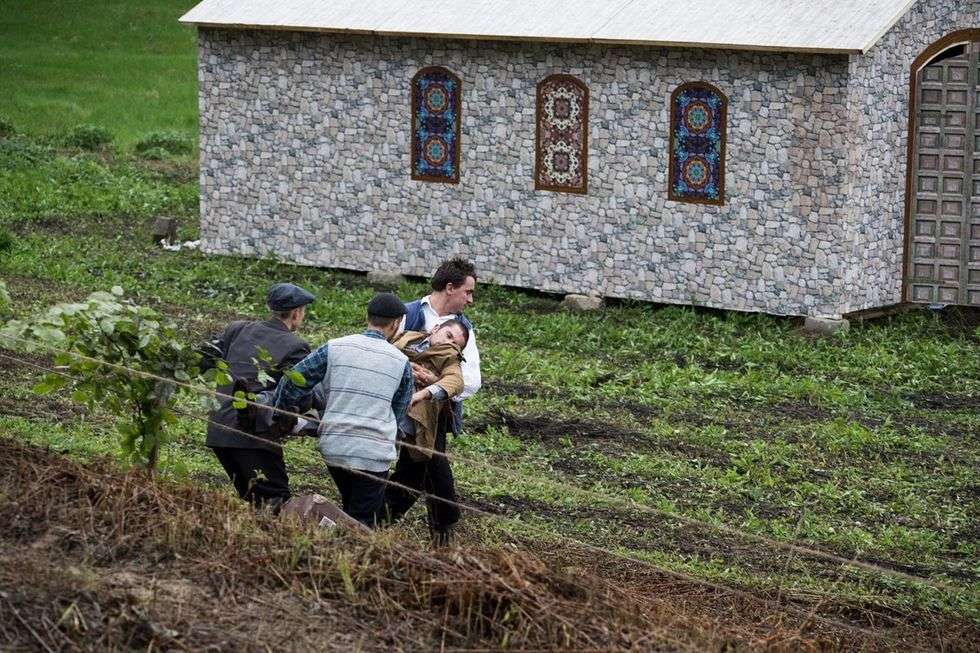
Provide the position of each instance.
(533, 39)
(888, 26)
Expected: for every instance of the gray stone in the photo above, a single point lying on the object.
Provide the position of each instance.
(579, 303)
(164, 229)
(384, 279)
(825, 326)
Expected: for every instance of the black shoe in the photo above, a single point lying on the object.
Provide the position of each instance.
(441, 538)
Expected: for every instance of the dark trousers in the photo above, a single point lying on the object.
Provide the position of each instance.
(433, 476)
(259, 475)
(362, 493)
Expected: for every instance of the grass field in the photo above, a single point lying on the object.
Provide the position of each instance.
(613, 429)
(127, 66)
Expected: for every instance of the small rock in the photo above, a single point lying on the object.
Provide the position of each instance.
(582, 303)
(164, 229)
(825, 326)
(384, 279)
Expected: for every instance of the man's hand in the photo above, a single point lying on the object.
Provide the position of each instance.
(420, 395)
(422, 376)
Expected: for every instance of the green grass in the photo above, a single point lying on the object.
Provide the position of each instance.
(730, 419)
(127, 66)
(595, 424)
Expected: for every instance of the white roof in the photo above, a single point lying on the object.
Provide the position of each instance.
(834, 26)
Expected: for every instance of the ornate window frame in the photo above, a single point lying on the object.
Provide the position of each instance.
(583, 152)
(457, 107)
(723, 132)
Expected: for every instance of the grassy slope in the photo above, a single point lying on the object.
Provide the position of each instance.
(128, 66)
(732, 419)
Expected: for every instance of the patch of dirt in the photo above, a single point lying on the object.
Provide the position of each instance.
(610, 437)
(951, 402)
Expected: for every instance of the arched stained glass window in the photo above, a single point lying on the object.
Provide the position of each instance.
(562, 151)
(436, 114)
(698, 123)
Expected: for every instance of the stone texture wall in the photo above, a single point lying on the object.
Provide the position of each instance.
(305, 155)
(879, 101)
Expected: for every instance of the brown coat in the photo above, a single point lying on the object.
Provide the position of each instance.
(443, 361)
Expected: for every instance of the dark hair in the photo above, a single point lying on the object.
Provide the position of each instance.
(454, 322)
(383, 322)
(453, 271)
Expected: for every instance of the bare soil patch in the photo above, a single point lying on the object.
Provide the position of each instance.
(610, 437)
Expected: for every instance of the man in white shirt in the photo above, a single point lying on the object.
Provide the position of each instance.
(452, 291)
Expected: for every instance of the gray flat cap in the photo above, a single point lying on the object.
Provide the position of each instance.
(287, 296)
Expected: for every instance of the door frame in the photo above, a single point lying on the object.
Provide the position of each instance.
(959, 37)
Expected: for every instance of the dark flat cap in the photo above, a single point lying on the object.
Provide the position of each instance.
(385, 304)
(287, 296)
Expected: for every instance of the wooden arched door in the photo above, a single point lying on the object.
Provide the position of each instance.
(943, 238)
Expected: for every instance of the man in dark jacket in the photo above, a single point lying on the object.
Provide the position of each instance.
(257, 468)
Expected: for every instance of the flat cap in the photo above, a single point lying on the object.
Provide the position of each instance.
(385, 304)
(287, 296)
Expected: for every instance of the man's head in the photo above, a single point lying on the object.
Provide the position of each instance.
(454, 282)
(450, 331)
(288, 304)
(384, 313)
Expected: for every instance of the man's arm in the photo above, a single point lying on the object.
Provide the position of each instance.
(313, 368)
(216, 348)
(403, 396)
(472, 379)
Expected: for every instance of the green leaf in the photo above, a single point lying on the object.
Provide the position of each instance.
(118, 291)
(297, 379)
(50, 383)
(239, 402)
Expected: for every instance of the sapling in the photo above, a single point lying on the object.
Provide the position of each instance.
(117, 355)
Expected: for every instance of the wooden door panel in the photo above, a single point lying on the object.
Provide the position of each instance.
(946, 182)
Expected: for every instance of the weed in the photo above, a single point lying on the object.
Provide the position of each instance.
(168, 142)
(88, 137)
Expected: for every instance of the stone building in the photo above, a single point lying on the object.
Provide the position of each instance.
(750, 155)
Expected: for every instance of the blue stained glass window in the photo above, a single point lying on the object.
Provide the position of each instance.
(698, 124)
(436, 108)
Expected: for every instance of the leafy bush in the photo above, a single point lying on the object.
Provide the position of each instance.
(6, 240)
(117, 356)
(168, 141)
(7, 128)
(88, 137)
(19, 151)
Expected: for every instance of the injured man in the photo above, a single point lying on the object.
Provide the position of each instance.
(439, 351)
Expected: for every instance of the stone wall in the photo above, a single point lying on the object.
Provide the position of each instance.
(879, 100)
(305, 155)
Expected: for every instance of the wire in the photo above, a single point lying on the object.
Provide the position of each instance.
(809, 615)
(792, 547)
